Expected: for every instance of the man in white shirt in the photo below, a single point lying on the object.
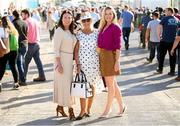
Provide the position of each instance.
(152, 37)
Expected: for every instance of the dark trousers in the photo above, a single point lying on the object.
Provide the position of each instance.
(154, 47)
(51, 33)
(21, 61)
(10, 58)
(126, 33)
(163, 48)
(179, 62)
(143, 35)
(33, 52)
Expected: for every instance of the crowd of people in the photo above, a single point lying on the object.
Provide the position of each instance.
(23, 36)
(92, 38)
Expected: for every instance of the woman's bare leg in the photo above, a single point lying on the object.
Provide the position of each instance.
(118, 96)
(90, 101)
(111, 93)
(83, 106)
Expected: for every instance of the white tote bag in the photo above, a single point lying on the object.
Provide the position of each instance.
(80, 87)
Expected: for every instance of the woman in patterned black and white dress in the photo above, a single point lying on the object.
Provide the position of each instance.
(88, 61)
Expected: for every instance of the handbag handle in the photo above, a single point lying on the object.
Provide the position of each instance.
(84, 79)
(77, 78)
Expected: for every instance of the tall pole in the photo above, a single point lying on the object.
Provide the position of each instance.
(38, 3)
(140, 3)
(171, 3)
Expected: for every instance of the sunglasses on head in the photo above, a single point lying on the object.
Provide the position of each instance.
(86, 20)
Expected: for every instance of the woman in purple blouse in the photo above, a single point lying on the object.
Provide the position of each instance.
(109, 44)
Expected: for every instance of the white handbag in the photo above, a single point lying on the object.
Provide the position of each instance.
(80, 87)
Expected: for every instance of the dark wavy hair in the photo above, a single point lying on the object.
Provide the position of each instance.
(60, 23)
(4, 22)
(15, 14)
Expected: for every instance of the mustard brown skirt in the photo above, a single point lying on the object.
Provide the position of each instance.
(107, 62)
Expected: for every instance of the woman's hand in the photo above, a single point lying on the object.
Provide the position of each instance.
(59, 68)
(116, 66)
(78, 68)
(98, 50)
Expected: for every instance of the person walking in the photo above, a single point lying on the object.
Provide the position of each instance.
(51, 24)
(168, 27)
(127, 18)
(64, 43)
(33, 36)
(145, 20)
(95, 16)
(152, 38)
(109, 45)
(9, 33)
(176, 45)
(36, 16)
(176, 13)
(22, 28)
(87, 60)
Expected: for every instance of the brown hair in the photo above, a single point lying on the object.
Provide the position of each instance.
(126, 6)
(6, 23)
(156, 14)
(170, 9)
(25, 11)
(60, 23)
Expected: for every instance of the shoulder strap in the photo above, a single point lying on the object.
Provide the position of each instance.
(4, 33)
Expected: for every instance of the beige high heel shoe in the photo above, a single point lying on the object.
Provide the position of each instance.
(106, 115)
(120, 114)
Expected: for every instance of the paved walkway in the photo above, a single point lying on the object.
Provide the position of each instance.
(152, 100)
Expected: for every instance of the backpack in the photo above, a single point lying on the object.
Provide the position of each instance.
(13, 41)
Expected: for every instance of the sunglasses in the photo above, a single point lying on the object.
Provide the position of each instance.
(86, 20)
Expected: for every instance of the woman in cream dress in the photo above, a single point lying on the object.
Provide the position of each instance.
(64, 42)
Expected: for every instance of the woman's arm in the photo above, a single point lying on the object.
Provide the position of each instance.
(117, 41)
(57, 45)
(118, 55)
(76, 56)
(117, 62)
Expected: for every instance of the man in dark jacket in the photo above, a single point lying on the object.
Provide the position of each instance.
(22, 28)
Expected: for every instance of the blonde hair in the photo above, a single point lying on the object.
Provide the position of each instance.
(12, 28)
(103, 21)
